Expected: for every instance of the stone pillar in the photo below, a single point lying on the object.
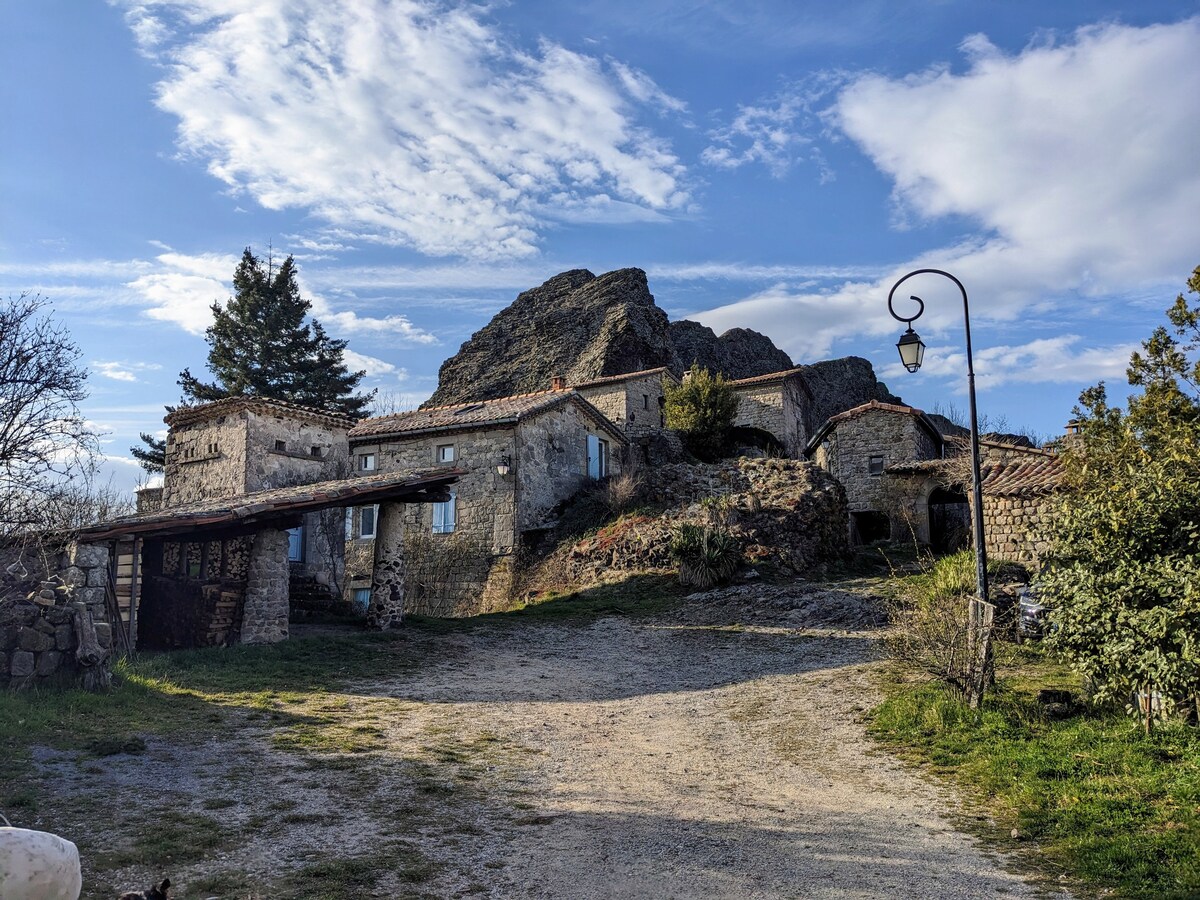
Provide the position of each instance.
(265, 614)
(386, 609)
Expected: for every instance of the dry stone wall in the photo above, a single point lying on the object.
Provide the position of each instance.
(40, 621)
(1017, 528)
(788, 514)
(265, 614)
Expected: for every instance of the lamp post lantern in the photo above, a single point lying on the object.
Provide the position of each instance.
(912, 354)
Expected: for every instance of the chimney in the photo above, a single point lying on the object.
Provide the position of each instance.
(558, 383)
(1074, 427)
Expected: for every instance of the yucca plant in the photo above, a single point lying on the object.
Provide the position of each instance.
(706, 556)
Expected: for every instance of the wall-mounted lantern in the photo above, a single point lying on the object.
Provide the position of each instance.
(503, 466)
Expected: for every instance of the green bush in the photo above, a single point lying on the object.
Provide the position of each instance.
(707, 556)
(1123, 580)
(702, 410)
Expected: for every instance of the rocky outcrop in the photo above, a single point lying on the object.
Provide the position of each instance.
(584, 327)
(787, 515)
(738, 353)
(576, 324)
(841, 384)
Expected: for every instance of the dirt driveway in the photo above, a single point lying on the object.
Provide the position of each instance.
(715, 752)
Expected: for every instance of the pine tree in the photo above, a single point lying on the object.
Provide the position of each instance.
(153, 456)
(261, 346)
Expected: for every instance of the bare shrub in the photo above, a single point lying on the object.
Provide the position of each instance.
(620, 493)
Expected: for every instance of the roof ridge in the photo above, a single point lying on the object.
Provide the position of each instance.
(427, 409)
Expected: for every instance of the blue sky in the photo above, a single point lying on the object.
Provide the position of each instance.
(772, 165)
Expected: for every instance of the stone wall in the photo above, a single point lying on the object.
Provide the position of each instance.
(777, 408)
(249, 450)
(1016, 528)
(893, 437)
(551, 463)
(265, 614)
(39, 629)
(635, 405)
(789, 515)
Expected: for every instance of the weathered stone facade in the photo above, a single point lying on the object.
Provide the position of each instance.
(778, 405)
(40, 629)
(1016, 528)
(546, 455)
(386, 609)
(265, 614)
(632, 402)
(857, 446)
(245, 444)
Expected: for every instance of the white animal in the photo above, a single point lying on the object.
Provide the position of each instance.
(37, 865)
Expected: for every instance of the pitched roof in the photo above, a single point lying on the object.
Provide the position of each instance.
(769, 377)
(188, 415)
(413, 486)
(874, 406)
(1022, 477)
(629, 376)
(476, 416)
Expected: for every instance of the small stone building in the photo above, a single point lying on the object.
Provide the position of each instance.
(858, 446)
(1018, 486)
(520, 458)
(245, 444)
(776, 406)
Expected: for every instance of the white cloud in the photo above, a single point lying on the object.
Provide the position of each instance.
(375, 368)
(1076, 163)
(406, 122)
(122, 371)
(776, 131)
(1059, 360)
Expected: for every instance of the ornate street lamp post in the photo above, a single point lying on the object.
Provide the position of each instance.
(912, 353)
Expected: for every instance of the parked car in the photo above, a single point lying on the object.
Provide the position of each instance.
(1031, 613)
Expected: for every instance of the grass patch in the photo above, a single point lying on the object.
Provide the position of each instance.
(1100, 802)
(337, 879)
(172, 837)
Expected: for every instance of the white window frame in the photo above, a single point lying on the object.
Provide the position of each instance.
(442, 457)
(362, 531)
(366, 462)
(445, 515)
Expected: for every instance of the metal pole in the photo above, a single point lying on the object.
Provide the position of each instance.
(981, 578)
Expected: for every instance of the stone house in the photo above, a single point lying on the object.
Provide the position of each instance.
(634, 402)
(241, 445)
(859, 445)
(520, 457)
(776, 406)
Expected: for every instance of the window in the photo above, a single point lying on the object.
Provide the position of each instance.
(875, 465)
(445, 453)
(645, 401)
(366, 462)
(362, 598)
(281, 446)
(444, 515)
(316, 451)
(597, 457)
(366, 521)
(296, 544)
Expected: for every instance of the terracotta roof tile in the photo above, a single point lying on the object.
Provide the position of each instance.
(472, 416)
(187, 415)
(1022, 477)
(768, 378)
(614, 379)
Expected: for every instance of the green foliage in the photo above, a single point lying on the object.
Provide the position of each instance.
(260, 345)
(1124, 577)
(707, 556)
(1091, 796)
(702, 410)
(153, 455)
